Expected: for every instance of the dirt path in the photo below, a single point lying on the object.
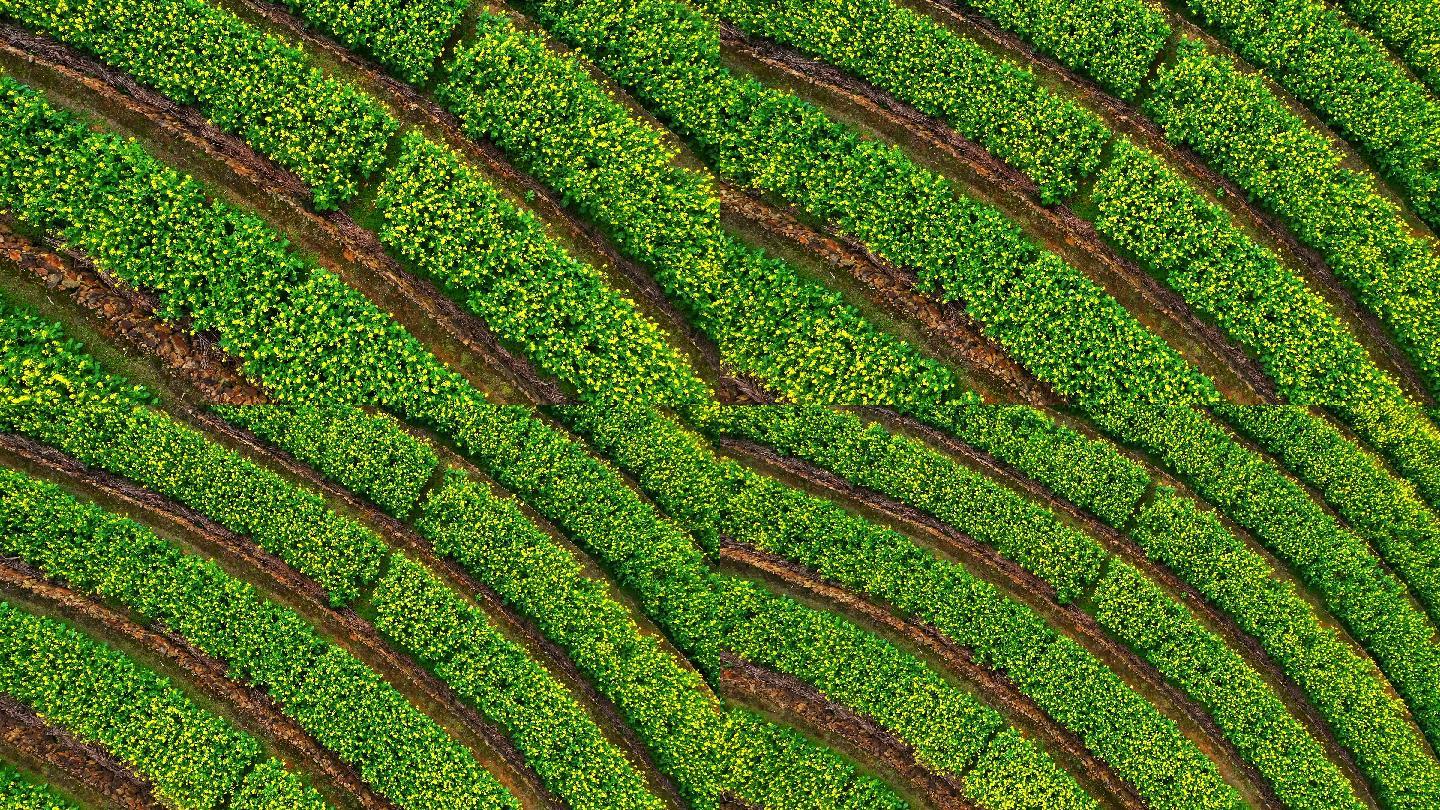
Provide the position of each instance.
(333, 238)
(1127, 119)
(249, 708)
(341, 626)
(82, 770)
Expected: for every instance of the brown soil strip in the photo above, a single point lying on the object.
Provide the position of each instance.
(1039, 595)
(127, 316)
(1127, 119)
(342, 626)
(1120, 544)
(590, 242)
(957, 337)
(416, 300)
(81, 769)
(835, 723)
(256, 710)
(1061, 228)
(1000, 692)
(399, 535)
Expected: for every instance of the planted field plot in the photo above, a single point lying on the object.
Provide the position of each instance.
(655, 404)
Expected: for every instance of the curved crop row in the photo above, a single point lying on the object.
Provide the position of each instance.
(452, 225)
(555, 122)
(1090, 473)
(557, 738)
(247, 82)
(1127, 604)
(1376, 505)
(300, 331)
(446, 218)
(702, 746)
(1065, 328)
(325, 689)
(1410, 27)
(715, 499)
(1336, 564)
(1142, 206)
(1344, 687)
(380, 461)
(19, 793)
(193, 758)
(1347, 79)
(1203, 101)
(766, 319)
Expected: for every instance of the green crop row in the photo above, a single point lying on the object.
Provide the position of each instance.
(1090, 473)
(558, 740)
(1346, 78)
(556, 123)
(19, 793)
(301, 332)
(1144, 207)
(192, 758)
(246, 82)
(70, 402)
(1065, 328)
(1115, 42)
(322, 687)
(1379, 507)
(456, 228)
(382, 462)
(717, 499)
(1409, 27)
(1342, 685)
(845, 663)
(1335, 563)
(1203, 101)
(700, 745)
(988, 100)
(405, 36)
(1126, 603)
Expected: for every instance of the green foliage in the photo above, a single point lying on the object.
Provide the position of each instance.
(1248, 134)
(19, 793)
(52, 392)
(705, 749)
(1065, 328)
(1344, 687)
(298, 329)
(1377, 505)
(904, 469)
(247, 82)
(990, 101)
(721, 499)
(557, 737)
(1333, 562)
(193, 759)
(1346, 78)
(798, 337)
(1114, 42)
(1090, 473)
(451, 224)
(405, 36)
(377, 458)
(1410, 27)
(330, 693)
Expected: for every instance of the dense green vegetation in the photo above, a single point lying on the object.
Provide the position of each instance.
(1025, 297)
(247, 82)
(716, 500)
(19, 793)
(191, 757)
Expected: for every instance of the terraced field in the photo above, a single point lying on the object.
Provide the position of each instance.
(650, 404)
